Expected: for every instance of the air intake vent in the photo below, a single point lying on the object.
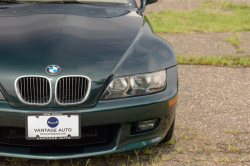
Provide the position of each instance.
(91, 135)
(72, 89)
(33, 90)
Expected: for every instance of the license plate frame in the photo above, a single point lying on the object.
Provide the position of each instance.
(44, 115)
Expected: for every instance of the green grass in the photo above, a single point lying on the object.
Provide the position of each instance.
(148, 150)
(233, 148)
(234, 132)
(16, 160)
(211, 16)
(234, 40)
(172, 141)
(212, 147)
(178, 149)
(231, 61)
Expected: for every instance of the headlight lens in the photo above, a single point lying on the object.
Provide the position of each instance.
(136, 85)
(1, 96)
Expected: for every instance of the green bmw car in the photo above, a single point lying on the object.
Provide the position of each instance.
(83, 78)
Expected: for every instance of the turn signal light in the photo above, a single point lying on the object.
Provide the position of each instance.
(172, 102)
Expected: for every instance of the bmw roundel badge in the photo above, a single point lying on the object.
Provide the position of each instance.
(53, 70)
(53, 122)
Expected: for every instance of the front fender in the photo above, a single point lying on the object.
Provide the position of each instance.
(147, 53)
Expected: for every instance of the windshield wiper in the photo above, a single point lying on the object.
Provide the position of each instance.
(10, 1)
(55, 2)
(69, 2)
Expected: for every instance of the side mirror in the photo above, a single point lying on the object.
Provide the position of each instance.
(146, 2)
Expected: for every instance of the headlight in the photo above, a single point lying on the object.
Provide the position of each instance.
(135, 85)
(1, 96)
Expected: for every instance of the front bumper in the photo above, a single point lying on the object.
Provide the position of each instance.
(123, 112)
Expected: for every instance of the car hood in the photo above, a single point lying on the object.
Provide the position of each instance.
(89, 42)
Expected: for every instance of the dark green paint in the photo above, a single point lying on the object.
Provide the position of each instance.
(98, 42)
(80, 45)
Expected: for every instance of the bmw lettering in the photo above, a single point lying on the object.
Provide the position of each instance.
(84, 77)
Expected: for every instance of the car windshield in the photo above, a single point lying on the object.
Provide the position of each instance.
(102, 1)
(80, 1)
(127, 3)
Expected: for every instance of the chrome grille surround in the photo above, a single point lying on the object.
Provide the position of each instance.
(30, 93)
(80, 93)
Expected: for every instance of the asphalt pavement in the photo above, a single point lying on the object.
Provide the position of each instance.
(213, 122)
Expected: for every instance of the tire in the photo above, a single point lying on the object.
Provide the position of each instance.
(170, 133)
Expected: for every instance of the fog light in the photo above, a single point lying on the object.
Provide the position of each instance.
(146, 125)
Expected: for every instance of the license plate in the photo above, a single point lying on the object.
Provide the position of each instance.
(53, 126)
